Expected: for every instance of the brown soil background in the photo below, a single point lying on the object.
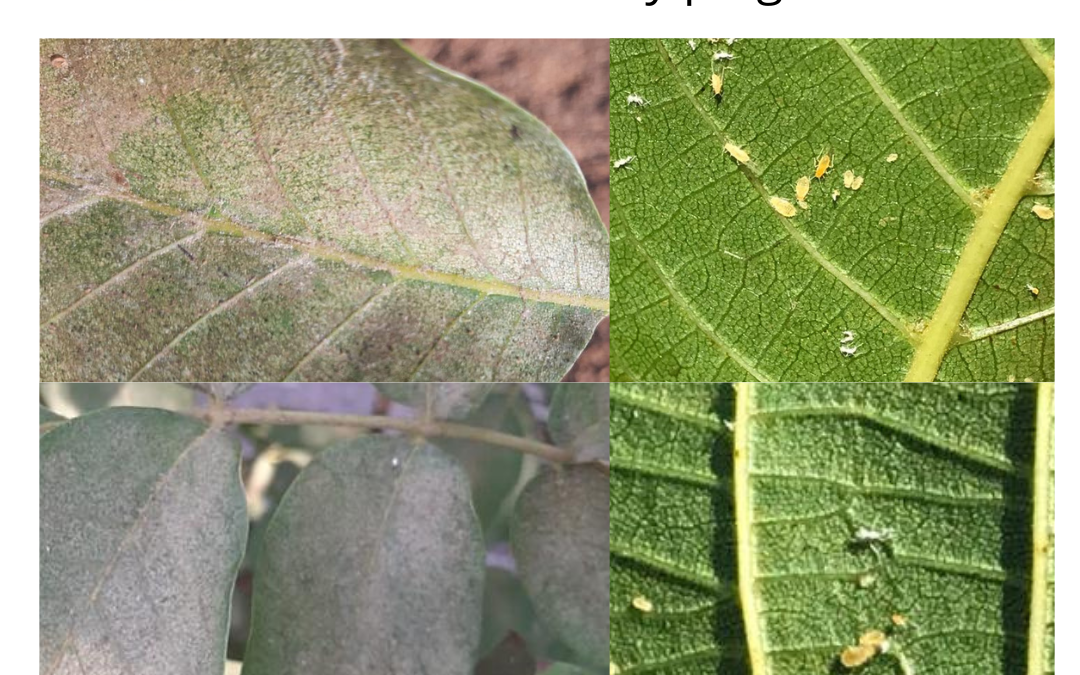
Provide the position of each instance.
(565, 84)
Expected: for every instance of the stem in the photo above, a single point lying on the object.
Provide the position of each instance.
(410, 426)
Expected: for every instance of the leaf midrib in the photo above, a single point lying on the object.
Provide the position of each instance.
(230, 227)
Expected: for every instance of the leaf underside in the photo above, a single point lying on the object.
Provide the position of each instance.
(712, 284)
(947, 469)
(253, 211)
(373, 563)
(142, 528)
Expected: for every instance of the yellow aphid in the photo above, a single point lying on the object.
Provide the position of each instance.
(849, 178)
(642, 603)
(802, 188)
(873, 638)
(614, 669)
(717, 83)
(853, 657)
(857, 183)
(782, 206)
(823, 165)
(738, 153)
(899, 620)
(803, 205)
(1033, 290)
(1043, 211)
(892, 158)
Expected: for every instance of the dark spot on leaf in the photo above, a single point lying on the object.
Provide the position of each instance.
(515, 133)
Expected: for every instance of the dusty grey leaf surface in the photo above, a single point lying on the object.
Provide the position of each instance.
(560, 542)
(301, 210)
(373, 563)
(142, 528)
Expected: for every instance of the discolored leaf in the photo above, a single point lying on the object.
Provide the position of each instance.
(373, 563)
(142, 528)
(560, 541)
(923, 161)
(264, 210)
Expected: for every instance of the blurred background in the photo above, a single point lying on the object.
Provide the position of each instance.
(274, 455)
(565, 84)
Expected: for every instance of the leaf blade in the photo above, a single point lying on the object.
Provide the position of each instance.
(712, 285)
(124, 494)
(394, 585)
(465, 216)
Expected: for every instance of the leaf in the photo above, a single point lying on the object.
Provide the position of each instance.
(373, 563)
(560, 541)
(142, 528)
(942, 482)
(928, 263)
(579, 419)
(453, 400)
(672, 531)
(262, 210)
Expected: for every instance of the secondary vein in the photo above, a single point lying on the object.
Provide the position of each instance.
(913, 135)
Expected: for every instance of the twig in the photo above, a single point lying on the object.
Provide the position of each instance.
(412, 427)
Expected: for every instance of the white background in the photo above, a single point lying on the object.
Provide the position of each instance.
(26, 22)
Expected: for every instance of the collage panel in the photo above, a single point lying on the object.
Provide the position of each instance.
(334, 210)
(888, 529)
(324, 528)
(794, 210)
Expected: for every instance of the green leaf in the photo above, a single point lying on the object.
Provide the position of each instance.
(372, 563)
(579, 419)
(856, 507)
(453, 400)
(928, 263)
(263, 210)
(142, 528)
(672, 531)
(560, 541)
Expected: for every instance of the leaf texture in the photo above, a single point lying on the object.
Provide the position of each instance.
(944, 476)
(373, 563)
(142, 529)
(253, 211)
(672, 531)
(931, 263)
